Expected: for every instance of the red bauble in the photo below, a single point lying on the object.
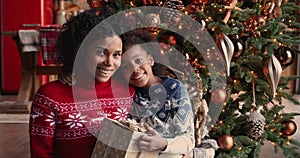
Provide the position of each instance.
(226, 142)
(218, 96)
(289, 128)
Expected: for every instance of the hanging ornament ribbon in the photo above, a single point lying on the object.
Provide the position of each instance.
(227, 49)
(273, 72)
(231, 6)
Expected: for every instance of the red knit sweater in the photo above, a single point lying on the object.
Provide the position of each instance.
(63, 128)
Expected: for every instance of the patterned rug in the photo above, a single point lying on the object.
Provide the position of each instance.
(14, 118)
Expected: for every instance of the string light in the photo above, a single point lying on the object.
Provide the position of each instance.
(274, 144)
(240, 148)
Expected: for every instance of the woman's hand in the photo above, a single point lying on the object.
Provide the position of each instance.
(66, 79)
(152, 141)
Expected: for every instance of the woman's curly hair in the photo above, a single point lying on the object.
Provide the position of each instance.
(76, 30)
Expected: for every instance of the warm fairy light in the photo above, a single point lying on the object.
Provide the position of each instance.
(275, 40)
(272, 130)
(212, 126)
(273, 143)
(281, 33)
(235, 81)
(280, 133)
(220, 10)
(221, 122)
(223, 110)
(131, 3)
(287, 143)
(187, 56)
(180, 27)
(260, 139)
(208, 18)
(240, 148)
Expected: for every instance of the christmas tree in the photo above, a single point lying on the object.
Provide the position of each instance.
(256, 40)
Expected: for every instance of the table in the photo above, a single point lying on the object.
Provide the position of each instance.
(30, 72)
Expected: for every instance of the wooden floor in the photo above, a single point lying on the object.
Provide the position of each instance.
(14, 138)
(14, 141)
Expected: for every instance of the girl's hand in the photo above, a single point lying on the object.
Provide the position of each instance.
(152, 141)
(66, 79)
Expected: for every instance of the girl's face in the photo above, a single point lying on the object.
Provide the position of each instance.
(136, 67)
(104, 57)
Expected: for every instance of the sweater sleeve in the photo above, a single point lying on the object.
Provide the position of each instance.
(183, 119)
(41, 127)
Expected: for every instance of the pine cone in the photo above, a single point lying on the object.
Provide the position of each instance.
(257, 123)
(172, 15)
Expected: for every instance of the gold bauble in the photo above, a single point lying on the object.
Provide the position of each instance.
(218, 96)
(289, 128)
(226, 142)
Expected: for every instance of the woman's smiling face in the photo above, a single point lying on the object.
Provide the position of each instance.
(104, 58)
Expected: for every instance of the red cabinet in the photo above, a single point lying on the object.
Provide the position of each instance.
(13, 14)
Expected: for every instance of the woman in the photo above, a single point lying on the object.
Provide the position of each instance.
(64, 120)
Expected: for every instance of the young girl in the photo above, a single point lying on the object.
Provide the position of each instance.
(160, 101)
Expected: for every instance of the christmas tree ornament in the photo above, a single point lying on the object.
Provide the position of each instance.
(226, 142)
(226, 48)
(258, 21)
(151, 20)
(289, 127)
(272, 71)
(239, 47)
(147, 2)
(229, 8)
(273, 9)
(172, 15)
(197, 5)
(254, 23)
(256, 124)
(285, 55)
(169, 39)
(218, 96)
